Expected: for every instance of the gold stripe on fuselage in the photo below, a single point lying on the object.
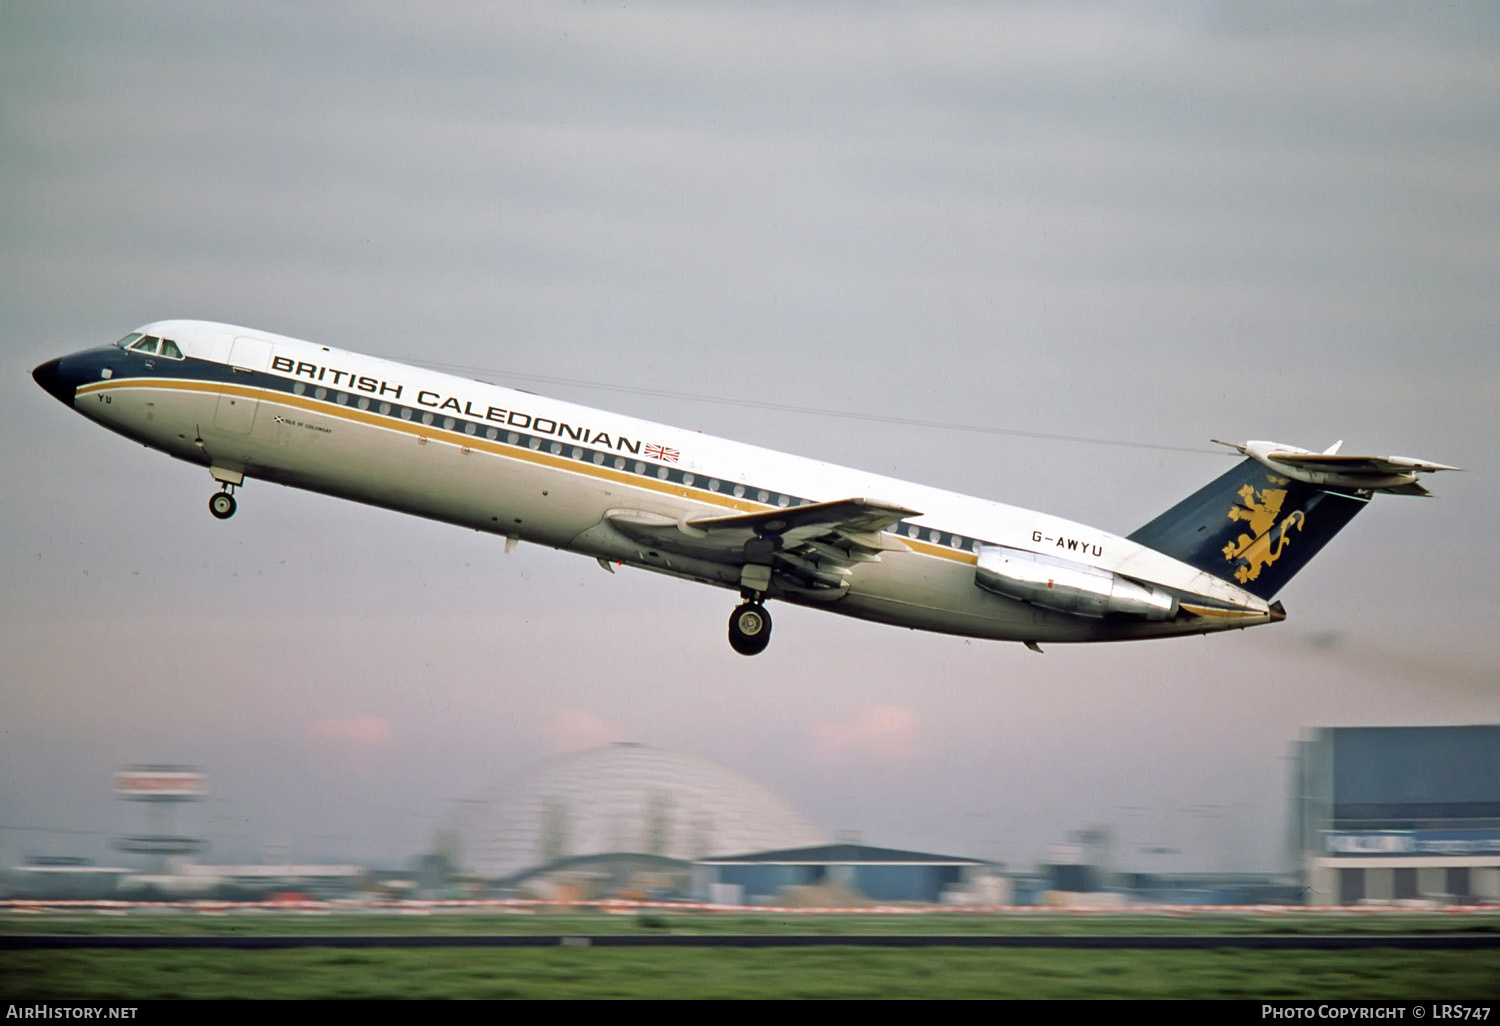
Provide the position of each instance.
(494, 447)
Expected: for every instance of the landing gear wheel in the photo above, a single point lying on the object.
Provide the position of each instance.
(222, 505)
(750, 629)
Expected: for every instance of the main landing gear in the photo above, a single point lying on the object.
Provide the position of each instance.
(750, 627)
(222, 504)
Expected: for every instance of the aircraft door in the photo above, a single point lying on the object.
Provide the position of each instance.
(236, 409)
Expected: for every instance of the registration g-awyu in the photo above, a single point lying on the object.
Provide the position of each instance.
(251, 405)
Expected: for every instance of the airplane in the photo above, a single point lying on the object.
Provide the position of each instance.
(247, 404)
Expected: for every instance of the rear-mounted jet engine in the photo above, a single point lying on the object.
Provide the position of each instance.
(1068, 587)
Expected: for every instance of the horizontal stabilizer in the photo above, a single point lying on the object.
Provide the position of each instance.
(1409, 489)
(1360, 464)
(1395, 475)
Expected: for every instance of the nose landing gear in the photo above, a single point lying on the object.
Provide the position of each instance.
(750, 628)
(222, 504)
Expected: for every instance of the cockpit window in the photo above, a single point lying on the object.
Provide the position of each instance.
(125, 342)
(146, 345)
(169, 349)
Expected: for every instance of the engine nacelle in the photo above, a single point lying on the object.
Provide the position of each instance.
(1068, 587)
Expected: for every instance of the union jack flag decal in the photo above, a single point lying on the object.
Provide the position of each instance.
(661, 452)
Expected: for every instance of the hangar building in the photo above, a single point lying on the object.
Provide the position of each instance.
(879, 874)
(1392, 814)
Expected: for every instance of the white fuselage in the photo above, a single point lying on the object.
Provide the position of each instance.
(552, 473)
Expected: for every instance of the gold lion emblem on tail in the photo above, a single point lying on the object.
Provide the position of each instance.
(1259, 510)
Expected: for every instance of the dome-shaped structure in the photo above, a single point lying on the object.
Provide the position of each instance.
(627, 798)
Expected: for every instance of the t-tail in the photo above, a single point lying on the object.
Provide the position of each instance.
(1261, 522)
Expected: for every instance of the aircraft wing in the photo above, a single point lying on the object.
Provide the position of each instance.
(854, 516)
(811, 547)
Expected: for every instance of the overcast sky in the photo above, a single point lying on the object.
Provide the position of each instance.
(1145, 223)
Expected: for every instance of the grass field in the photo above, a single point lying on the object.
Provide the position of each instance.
(746, 973)
(260, 921)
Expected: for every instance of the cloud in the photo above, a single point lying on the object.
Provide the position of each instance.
(577, 730)
(352, 733)
(351, 744)
(881, 733)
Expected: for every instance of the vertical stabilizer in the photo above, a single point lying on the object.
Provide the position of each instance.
(1251, 527)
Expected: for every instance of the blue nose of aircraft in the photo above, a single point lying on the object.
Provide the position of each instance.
(51, 377)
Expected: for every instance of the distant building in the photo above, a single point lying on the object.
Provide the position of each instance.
(625, 799)
(163, 788)
(860, 871)
(1389, 814)
(611, 875)
(63, 877)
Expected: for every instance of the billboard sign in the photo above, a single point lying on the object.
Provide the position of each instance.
(161, 783)
(1412, 842)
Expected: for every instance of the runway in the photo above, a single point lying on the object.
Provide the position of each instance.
(1348, 942)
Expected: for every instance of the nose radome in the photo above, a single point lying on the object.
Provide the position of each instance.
(49, 376)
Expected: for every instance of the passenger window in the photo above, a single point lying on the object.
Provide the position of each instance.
(169, 349)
